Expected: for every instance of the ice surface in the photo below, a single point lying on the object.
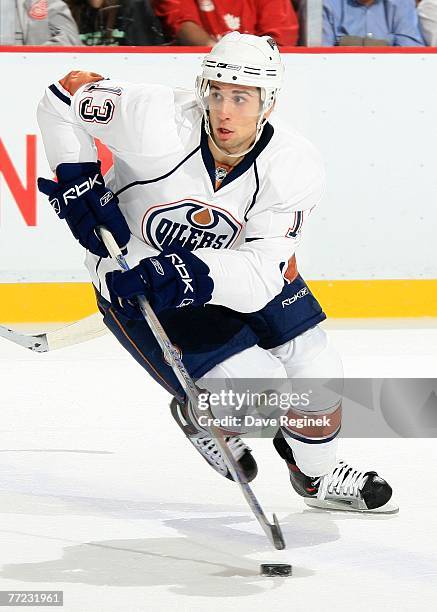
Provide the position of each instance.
(102, 497)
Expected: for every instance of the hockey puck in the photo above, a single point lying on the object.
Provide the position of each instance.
(276, 569)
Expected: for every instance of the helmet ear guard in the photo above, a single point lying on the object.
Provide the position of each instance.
(243, 59)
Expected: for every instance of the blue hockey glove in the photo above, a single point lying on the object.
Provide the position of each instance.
(82, 199)
(173, 279)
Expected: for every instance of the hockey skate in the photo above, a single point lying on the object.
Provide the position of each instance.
(345, 488)
(205, 445)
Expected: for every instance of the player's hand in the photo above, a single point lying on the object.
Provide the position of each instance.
(173, 279)
(82, 199)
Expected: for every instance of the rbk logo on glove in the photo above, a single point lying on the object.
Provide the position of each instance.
(174, 279)
(78, 190)
(157, 265)
(83, 200)
(185, 276)
(106, 198)
(55, 205)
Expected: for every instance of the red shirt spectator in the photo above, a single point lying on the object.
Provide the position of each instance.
(203, 22)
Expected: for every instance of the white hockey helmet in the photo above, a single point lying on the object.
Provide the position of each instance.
(243, 59)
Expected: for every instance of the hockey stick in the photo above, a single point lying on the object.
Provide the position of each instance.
(272, 530)
(79, 331)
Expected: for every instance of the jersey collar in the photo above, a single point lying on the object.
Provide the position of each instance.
(245, 163)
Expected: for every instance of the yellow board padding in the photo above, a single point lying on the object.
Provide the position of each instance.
(377, 298)
(33, 302)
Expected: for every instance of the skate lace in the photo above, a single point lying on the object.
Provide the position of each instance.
(209, 447)
(343, 480)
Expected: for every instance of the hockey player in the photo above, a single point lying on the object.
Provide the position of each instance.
(209, 201)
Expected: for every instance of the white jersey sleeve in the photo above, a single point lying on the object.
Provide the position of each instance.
(247, 278)
(125, 117)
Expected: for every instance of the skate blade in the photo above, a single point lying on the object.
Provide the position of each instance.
(324, 504)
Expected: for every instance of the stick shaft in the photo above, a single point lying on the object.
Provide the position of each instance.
(273, 532)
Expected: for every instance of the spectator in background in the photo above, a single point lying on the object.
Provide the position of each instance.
(427, 11)
(79, 7)
(37, 22)
(117, 22)
(371, 23)
(203, 22)
(143, 26)
(96, 20)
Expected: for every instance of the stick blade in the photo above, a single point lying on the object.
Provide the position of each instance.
(277, 535)
(83, 330)
(80, 331)
(36, 343)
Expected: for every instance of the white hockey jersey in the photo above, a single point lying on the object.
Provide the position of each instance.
(164, 176)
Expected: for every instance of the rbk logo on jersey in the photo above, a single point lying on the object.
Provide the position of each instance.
(191, 224)
(297, 296)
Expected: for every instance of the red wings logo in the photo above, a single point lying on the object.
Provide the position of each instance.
(39, 9)
(191, 224)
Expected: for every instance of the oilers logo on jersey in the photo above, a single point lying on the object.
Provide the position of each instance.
(191, 224)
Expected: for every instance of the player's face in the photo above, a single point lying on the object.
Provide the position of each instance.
(233, 115)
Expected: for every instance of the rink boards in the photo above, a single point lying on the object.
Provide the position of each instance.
(368, 251)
